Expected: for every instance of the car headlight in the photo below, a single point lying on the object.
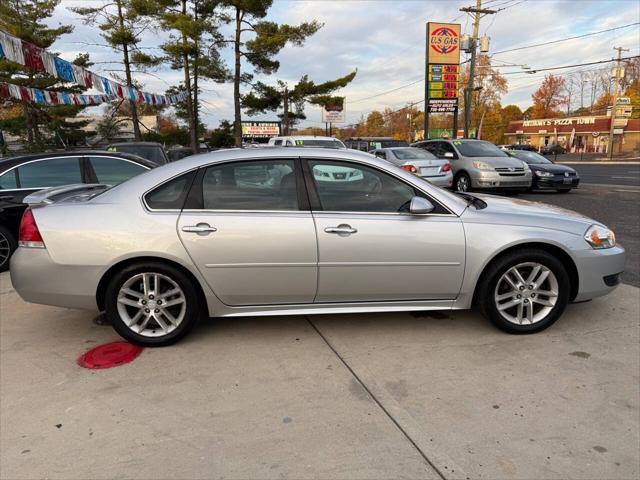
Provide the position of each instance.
(599, 236)
(481, 165)
(541, 173)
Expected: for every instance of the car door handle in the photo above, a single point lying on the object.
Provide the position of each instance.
(201, 228)
(342, 229)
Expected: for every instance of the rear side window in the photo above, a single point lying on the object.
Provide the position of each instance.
(113, 171)
(8, 180)
(170, 195)
(52, 172)
(250, 185)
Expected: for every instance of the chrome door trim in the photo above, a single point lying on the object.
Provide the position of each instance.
(254, 265)
(388, 264)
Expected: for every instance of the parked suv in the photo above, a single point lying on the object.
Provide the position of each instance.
(480, 165)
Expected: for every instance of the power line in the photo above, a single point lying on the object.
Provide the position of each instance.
(535, 70)
(388, 91)
(566, 39)
(512, 5)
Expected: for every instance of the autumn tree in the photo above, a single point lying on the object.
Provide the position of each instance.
(247, 17)
(489, 87)
(375, 125)
(549, 98)
(292, 100)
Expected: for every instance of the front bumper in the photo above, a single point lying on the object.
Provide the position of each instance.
(597, 270)
(555, 182)
(493, 180)
(38, 279)
(445, 180)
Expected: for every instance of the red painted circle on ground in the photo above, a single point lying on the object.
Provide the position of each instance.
(109, 355)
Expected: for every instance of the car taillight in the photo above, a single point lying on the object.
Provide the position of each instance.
(446, 167)
(29, 235)
(409, 168)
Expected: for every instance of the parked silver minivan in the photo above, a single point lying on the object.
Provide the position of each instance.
(479, 165)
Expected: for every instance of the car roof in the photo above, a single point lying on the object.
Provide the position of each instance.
(11, 162)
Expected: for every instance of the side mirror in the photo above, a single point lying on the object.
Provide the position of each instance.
(447, 155)
(420, 205)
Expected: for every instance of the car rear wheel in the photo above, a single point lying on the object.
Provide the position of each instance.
(7, 247)
(152, 304)
(463, 182)
(525, 291)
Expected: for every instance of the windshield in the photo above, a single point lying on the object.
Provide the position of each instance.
(320, 143)
(412, 154)
(150, 152)
(479, 149)
(532, 158)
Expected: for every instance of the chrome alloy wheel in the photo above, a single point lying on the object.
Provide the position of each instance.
(5, 250)
(151, 304)
(526, 293)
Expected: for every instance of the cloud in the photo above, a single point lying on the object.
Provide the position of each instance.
(385, 40)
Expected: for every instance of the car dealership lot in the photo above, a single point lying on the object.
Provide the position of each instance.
(441, 395)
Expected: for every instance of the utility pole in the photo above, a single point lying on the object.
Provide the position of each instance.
(478, 12)
(616, 91)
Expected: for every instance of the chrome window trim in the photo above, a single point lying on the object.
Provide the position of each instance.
(375, 167)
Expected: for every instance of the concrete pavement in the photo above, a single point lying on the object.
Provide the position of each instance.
(352, 396)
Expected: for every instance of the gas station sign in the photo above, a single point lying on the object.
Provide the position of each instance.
(443, 69)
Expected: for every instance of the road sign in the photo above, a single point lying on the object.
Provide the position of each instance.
(620, 122)
(623, 101)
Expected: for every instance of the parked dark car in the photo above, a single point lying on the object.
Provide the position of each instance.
(553, 149)
(152, 151)
(522, 146)
(546, 174)
(366, 144)
(178, 153)
(23, 175)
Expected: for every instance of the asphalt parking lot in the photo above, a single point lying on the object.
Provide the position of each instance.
(350, 396)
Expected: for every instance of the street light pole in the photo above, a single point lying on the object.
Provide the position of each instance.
(473, 42)
(617, 78)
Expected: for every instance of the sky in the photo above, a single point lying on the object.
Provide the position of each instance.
(385, 41)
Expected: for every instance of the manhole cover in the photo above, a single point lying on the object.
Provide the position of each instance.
(109, 355)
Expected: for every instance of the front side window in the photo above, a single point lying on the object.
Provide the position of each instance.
(52, 172)
(113, 171)
(8, 180)
(170, 195)
(250, 185)
(351, 187)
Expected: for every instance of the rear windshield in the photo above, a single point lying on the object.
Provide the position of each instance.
(320, 143)
(412, 154)
(479, 149)
(150, 152)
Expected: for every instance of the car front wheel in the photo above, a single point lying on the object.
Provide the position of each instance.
(525, 291)
(463, 183)
(152, 304)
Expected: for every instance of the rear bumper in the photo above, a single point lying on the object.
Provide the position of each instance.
(445, 180)
(38, 279)
(598, 271)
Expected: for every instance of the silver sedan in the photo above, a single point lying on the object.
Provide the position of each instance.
(419, 162)
(263, 232)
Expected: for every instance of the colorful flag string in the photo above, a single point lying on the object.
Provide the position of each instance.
(39, 60)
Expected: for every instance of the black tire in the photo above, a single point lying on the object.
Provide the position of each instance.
(462, 177)
(563, 190)
(493, 273)
(192, 314)
(8, 245)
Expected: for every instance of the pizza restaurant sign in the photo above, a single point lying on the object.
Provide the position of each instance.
(559, 121)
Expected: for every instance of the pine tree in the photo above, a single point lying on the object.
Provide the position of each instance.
(25, 19)
(270, 37)
(265, 98)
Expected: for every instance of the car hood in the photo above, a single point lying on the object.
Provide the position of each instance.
(514, 211)
(551, 167)
(499, 161)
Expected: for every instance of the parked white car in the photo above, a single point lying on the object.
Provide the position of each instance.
(306, 141)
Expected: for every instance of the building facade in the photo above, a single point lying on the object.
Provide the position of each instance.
(589, 134)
